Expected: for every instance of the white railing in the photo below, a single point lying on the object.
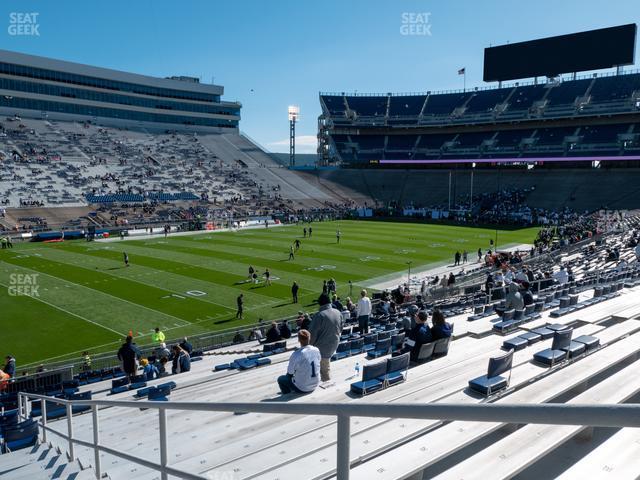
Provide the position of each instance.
(617, 416)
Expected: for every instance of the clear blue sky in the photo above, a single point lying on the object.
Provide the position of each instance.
(269, 54)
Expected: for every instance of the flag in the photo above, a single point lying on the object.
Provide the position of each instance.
(462, 71)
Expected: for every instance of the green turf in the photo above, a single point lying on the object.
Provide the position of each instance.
(88, 299)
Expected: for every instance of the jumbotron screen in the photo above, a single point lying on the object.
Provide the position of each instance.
(551, 56)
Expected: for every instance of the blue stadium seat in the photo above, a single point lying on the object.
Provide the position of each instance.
(397, 342)
(343, 351)
(557, 352)
(370, 379)
(22, 435)
(159, 393)
(493, 381)
(515, 343)
(543, 332)
(531, 337)
(382, 348)
(590, 343)
(246, 364)
(356, 346)
(397, 368)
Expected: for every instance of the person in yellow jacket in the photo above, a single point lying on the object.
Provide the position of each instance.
(158, 336)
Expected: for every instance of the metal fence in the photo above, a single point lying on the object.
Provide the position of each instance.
(614, 415)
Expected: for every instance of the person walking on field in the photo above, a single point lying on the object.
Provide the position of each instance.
(304, 232)
(338, 236)
(126, 259)
(291, 256)
(240, 303)
(465, 256)
(267, 276)
(310, 231)
(294, 292)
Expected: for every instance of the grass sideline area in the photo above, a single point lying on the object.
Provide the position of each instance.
(88, 300)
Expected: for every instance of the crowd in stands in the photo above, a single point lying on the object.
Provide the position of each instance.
(155, 365)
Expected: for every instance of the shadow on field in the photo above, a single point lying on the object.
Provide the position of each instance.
(220, 322)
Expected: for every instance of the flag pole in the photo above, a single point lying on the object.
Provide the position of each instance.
(464, 85)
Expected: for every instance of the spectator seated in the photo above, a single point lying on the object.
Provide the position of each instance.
(493, 381)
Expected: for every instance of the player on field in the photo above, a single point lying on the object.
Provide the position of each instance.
(304, 232)
(297, 242)
(338, 236)
(291, 257)
(267, 276)
(240, 303)
(126, 259)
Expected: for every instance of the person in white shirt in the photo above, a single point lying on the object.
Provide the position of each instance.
(303, 372)
(364, 311)
(561, 276)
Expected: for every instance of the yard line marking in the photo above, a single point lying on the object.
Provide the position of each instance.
(155, 272)
(107, 294)
(68, 312)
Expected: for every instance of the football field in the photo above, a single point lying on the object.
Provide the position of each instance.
(59, 299)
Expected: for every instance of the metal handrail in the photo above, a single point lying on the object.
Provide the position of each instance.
(610, 415)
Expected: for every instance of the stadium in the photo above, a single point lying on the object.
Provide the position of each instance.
(436, 284)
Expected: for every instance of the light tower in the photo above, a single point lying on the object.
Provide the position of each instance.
(294, 113)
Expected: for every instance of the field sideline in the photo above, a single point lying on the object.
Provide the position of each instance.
(88, 299)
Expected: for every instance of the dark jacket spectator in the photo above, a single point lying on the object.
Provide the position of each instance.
(304, 321)
(273, 334)
(440, 328)
(10, 366)
(238, 338)
(129, 356)
(419, 335)
(181, 360)
(527, 296)
(285, 331)
(186, 346)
